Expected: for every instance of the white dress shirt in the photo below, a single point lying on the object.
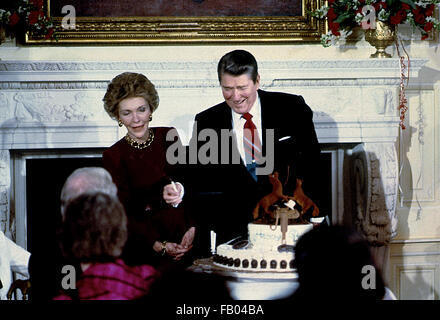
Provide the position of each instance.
(13, 258)
(238, 123)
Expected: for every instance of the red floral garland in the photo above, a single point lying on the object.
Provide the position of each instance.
(403, 108)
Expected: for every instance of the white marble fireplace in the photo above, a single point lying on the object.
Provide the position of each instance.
(46, 106)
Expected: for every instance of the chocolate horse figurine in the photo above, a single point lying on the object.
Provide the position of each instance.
(277, 195)
(305, 202)
(271, 198)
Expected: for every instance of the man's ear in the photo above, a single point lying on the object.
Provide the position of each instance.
(257, 81)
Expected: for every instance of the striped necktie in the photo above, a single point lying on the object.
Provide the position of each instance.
(251, 141)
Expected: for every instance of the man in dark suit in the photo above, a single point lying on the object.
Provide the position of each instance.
(228, 183)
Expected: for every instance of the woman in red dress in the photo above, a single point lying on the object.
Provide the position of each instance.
(160, 229)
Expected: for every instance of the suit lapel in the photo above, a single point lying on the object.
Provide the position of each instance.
(225, 122)
(225, 117)
(267, 117)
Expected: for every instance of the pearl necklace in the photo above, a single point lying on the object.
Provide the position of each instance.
(140, 145)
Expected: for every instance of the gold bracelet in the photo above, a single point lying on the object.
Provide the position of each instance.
(164, 247)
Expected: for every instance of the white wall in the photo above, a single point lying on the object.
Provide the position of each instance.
(415, 253)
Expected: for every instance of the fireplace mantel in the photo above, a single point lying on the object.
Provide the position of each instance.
(58, 104)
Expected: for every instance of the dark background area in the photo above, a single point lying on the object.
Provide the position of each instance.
(44, 181)
(179, 8)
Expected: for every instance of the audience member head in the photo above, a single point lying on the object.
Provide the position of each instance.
(94, 228)
(129, 85)
(335, 263)
(237, 63)
(87, 180)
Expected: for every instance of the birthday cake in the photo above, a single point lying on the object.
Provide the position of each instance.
(272, 236)
(267, 248)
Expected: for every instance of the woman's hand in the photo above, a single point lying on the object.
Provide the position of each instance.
(188, 238)
(174, 250)
(173, 193)
(177, 251)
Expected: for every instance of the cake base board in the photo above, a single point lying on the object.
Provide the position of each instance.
(206, 265)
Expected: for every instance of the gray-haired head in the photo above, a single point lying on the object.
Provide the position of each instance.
(87, 180)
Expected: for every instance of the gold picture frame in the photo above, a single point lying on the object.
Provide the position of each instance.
(188, 29)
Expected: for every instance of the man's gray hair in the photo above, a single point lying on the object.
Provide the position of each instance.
(87, 180)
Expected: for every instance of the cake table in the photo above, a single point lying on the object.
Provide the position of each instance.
(251, 285)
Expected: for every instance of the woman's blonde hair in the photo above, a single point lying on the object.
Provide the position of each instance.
(129, 85)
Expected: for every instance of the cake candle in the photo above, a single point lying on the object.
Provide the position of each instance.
(213, 241)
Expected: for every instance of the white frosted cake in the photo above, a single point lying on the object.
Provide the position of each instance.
(265, 250)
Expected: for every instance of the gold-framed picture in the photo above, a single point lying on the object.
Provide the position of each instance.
(182, 21)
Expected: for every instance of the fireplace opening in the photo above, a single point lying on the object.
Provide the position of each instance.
(45, 178)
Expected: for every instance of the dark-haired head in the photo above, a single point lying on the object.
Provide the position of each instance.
(237, 63)
(335, 263)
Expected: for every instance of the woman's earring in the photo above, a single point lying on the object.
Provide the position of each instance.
(120, 123)
(150, 118)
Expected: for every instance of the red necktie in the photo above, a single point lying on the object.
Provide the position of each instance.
(251, 141)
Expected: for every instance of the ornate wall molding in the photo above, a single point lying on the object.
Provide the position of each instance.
(383, 67)
(333, 82)
(188, 83)
(375, 172)
(53, 85)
